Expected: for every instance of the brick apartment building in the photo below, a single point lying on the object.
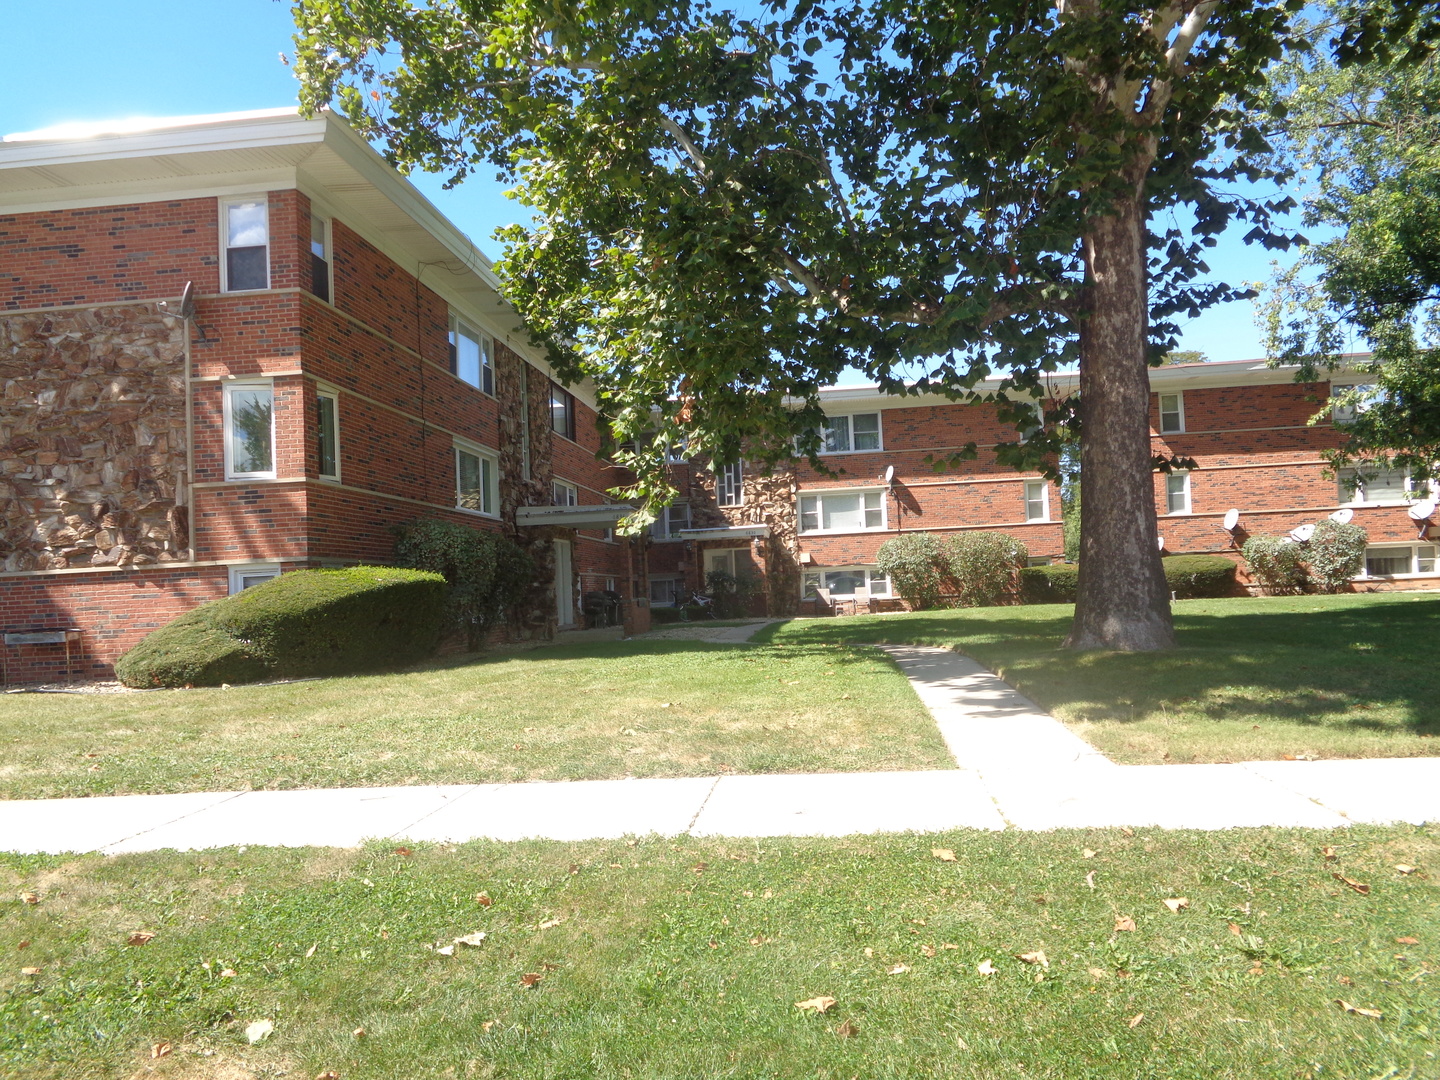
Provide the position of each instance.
(347, 364)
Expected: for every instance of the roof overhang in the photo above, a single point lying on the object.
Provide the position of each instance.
(602, 516)
(728, 532)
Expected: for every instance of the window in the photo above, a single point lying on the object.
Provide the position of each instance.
(320, 257)
(1177, 493)
(327, 434)
(841, 511)
(1343, 414)
(1390, 560)
(472, 356)
(728, 488)
(663, 591)
(846, 434)
(564, 494)
(244, 577)
(1037, 500)
(842, 582)
(669, 524)
(249, 431)
(562, 411)
(1172, 413)
(247, 246)
(1361, 486)
(476, 473)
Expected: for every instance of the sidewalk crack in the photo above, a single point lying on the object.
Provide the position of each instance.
(703, 803)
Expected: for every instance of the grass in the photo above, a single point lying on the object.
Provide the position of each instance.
(599, 710)
(1313, 676)
(687, 959)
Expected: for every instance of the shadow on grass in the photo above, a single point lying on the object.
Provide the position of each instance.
(830, 652)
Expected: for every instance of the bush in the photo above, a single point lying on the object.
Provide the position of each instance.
(663, 616)
(733, 596)
(1274, 562)
(982, 567)
(310, 622)
(914, 564)
(1049, 584)
(487, 573)
(1335, 554)
(1192, 577)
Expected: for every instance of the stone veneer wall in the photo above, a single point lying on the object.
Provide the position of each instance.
(767, 499)
(92, 438)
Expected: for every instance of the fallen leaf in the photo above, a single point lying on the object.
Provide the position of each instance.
(1124, 924)
(700, 867)
(359, 1033)
(140, 937)
(1358, 886)
(1126, 831)
(927, 951)
(29, 971)
(24, 944)
(260, 1029)
(1374, 1014)
(1177, 904)
(29, 898)
(488, 1024)
(847, 1029)
(1407, 941)
(1036, 957)
(530, 978)
(549, 923)
(159, 1050)
(816, 1004)
(947, 945)
(1345, 980)
(311, 950)
(1235, 929)
(549, 966)
(1097, 973)
(228, 973)
(1087, 853)
(943, 854)
(1134, 1021)
(1256, 969)
(898, 969)
(328, 1074)
(473, 940)
(574, 868)
(985, 967)
(446, 950)
(404, 852)
(1405, 868)
(1328, 851)
(1090, 879)
(483, 899)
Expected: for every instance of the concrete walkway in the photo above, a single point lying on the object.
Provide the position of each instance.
(1018, 767)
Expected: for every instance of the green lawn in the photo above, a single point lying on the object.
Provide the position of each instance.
(606, 709)
(1321, 676)
(687, 959)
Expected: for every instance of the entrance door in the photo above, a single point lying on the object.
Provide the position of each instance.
(564, 584)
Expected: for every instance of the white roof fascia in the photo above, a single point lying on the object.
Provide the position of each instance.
(602, 515)
(728, 532)
(278, 127)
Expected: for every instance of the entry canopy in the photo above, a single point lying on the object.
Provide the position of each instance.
(601, 516)
(725, 532)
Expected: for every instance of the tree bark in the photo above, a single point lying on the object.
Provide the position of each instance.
(1122, 600)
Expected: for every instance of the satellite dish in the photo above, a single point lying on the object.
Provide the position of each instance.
(889, 475)
(1162, 542)
(185, 308)
(1343, 515)
(1301, 533)
(1422, 509)
(1232, 518)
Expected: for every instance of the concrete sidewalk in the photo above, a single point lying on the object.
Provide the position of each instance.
(1018, 768)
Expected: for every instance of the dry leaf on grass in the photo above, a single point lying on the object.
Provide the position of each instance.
(985, 967)
(446, 950)
(258, 1030)
(311, 950)
(1036, 957)
(943, 854)
(1374, 1014)
(847, 1029)
(1177, 904)
(815, 1004)
(898, 969)
(404, 852)
(1125, 830)
(1090, 879)
(927, 951)
(1405, 868)
(140, 937)
(483, 899)
(550, 923)
(1358, 886)
(1124, 924)
(159, 1050)
(358, 1033)
(1328, 851)
(1134, 1021)
(530, 978)
(1234, 928)
(30, 971)
(488, 1024)
(29, 898)
(227, 973)
(1087, 853)
(1097, 973)
(473, 940)
(328, 1074)
(1407, 941)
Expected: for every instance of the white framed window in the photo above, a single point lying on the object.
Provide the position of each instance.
(562, 411)
(477, 474)
(667, 526)
(1344, 413)
(472, 355)
(843, 581)
(1037, 500)
(564, 493)
(663, 591)
(1399, 560)
(1177, 493)
(320, 282)
(842, 511)
(245, 577)
(729, 490)
(249, 430)
(327, 433)
(245, 231)
(852, 433)
(1378, 487)
(1172, 413)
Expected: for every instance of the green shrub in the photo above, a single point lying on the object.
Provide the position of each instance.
(1049, 584)
(915, 565)
(488, 574)
(310, 622)
(1274, 563)
(663, 616)
(733, 595)
(982, 567)
(1335, 554)
(1192, 577)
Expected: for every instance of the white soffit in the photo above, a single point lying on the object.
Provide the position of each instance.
(728, 532)
(573, 517)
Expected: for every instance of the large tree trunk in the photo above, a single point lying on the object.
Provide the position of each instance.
(1123, 601)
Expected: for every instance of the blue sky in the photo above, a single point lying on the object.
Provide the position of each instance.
(68, 60)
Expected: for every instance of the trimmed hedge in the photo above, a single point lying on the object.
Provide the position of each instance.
(309, 622)
(1190, 577)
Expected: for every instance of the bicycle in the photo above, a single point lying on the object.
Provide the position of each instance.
(706, 604)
